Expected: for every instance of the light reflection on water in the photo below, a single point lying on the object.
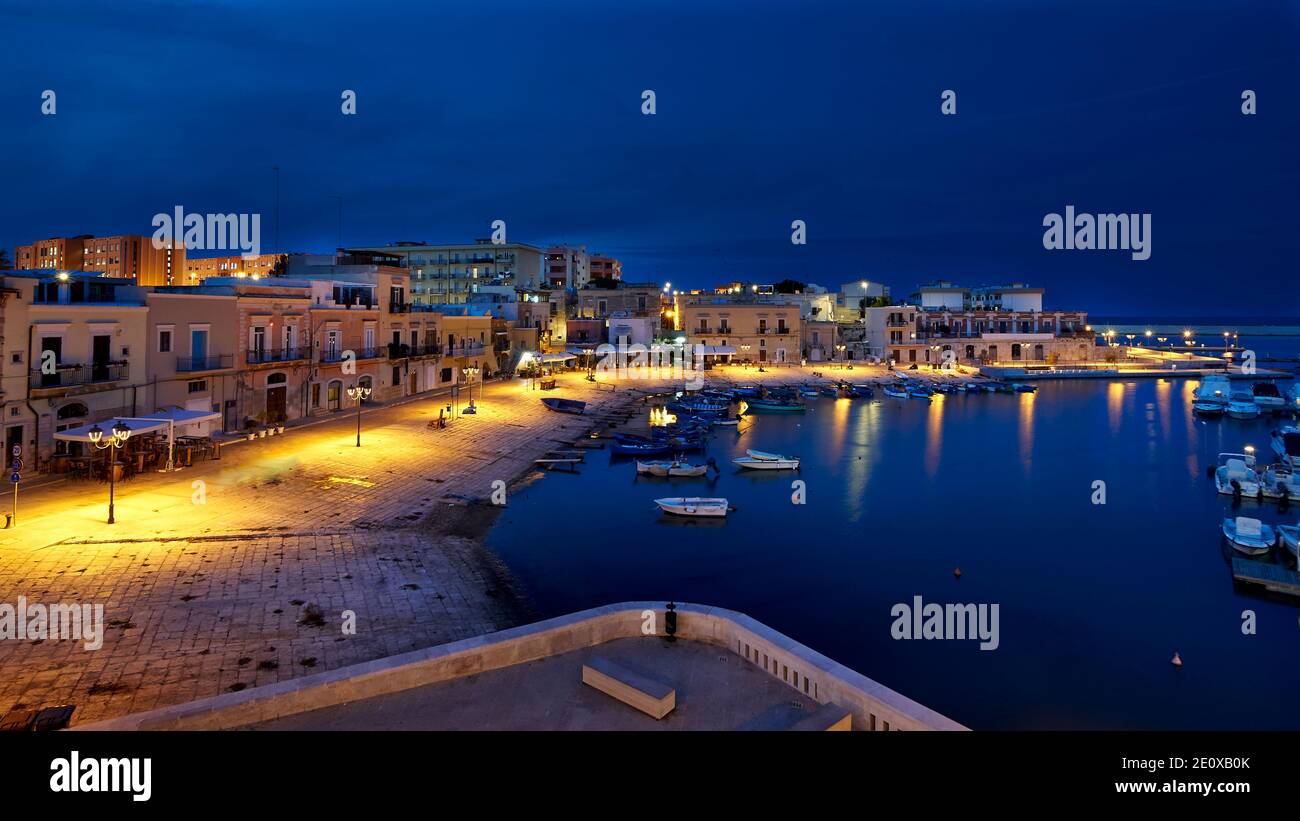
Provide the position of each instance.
(1094, 599)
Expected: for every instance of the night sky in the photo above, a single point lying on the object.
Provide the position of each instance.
(766, 113)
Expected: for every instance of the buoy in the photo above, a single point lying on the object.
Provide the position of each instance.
(957, 572)
(1177, 662)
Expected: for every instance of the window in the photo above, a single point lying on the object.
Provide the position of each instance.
(198, 386)
(164, 340)
(397, 375)
(315, 395)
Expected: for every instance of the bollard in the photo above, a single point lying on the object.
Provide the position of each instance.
(670, 622)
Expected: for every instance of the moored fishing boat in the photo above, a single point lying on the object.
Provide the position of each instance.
(1289, 535)
(1212, 387)
(897, 393)
(773, 406)
(673, 469)
(859, 391)
(746, 392)
(830, 390)
(693, 506)
(1286, 444)
(1248, 536)
(1280, 482)
(1241, 405)
(1023, 387)
(1267, 396)
(564, 405)
(1209, 408)
(767, 462)
(1235, 475)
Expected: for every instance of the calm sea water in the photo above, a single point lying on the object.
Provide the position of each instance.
(1094, 599)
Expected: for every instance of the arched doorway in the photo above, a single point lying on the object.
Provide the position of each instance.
(277, 397)
(1015, 352)
(334, 395)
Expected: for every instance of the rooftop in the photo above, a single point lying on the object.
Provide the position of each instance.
(716, 690)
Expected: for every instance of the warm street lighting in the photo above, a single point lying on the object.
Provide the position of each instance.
(121, 432)
(360, 393)
(471, 372)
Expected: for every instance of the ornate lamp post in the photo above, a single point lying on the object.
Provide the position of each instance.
(360, 393)
(121, 432)
(470, 372)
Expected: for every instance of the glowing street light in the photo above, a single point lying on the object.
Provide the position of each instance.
(121, 432)
(360, 393)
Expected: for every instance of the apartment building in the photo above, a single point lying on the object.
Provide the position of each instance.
(760, 328)
(448, 274)
(127, 256)
(629, 299)
(567, 267)
(58, 253)
(603, 267)
(74, 352)
(252, 266)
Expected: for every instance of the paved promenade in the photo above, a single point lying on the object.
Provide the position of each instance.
(212, 577)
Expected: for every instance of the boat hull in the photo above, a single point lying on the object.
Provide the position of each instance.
(693, 506)
(750, 463)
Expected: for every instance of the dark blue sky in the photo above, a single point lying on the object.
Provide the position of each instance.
(767, 112)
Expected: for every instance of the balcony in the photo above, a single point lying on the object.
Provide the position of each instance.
(399, 307)
(262, 356)
(190, 364)
(466, 349)
(336, 355)
(404, 351)
(71, 376)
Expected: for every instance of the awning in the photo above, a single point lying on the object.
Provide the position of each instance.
(555, 357)
(149, 423)
(717, 350)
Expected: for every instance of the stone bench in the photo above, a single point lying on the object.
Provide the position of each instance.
(824, 718)
(651, 697)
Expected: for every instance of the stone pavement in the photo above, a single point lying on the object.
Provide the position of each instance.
(207, 576)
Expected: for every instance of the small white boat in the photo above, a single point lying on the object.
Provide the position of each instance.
(1236, 474)
(1241, 405)
(674, 468)
(1213, 387)
(1289, 535)
(1280, 482)
(779, 463)
(1267, 396)
(726, 421)
(759, 454)
(1248, 536)
(693, 506)
(1286, 444)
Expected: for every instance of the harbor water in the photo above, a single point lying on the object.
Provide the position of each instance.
(1094, 595)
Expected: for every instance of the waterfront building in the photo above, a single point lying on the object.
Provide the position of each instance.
(450, 273)
(743, 326)
(546, 311)
(74, 352)
(820, 340)
(1000, 324)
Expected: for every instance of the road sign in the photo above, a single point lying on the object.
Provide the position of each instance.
(16, 464)
(18, 450)
(15, 478)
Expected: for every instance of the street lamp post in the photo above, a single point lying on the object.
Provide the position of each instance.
(360, 393)
(121, 432)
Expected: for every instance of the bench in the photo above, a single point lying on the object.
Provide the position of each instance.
(824, 718)
(651, 697)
